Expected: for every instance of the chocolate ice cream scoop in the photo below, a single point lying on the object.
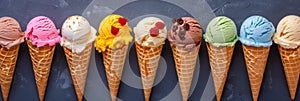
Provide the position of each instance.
(186, 32)
(10, 32)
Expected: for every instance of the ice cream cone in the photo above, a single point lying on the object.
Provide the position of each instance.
(185, 65)
(256, 60)
(11, 37)
(8, 58)
(78, 64)
(148, 59)
(114, 62)
(220, 58)
(41, 58)
(291, 62)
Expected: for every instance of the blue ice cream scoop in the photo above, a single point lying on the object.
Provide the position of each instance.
(257, 31)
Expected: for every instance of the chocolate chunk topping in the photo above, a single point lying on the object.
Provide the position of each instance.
(180, 21)
(186, 26)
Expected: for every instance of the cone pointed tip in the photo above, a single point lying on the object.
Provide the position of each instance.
(293, 97)
(218, 97)
(5, 97)
(113, 98)
(147, 98)
(147, 92)
(184, 99)
(255, 98)
(41, 98)
(80, 98)
(41, 94)
(5, 91)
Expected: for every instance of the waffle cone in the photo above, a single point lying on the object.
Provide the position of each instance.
(220, 58)
(41, 58)
(148, 59)
(8, 59)
(256, 60)
(185, 62)
(114, 62)
(291, 62)
(78, 64)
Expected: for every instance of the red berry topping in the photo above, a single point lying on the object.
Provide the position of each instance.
(114, 30)
(154, 31)
(122, 21)
(160, 25)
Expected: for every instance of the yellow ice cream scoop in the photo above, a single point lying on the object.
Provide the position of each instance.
(114, 33)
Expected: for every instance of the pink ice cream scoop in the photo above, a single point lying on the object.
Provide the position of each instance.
(41, 31)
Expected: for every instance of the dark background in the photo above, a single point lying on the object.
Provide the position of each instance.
(237, 88)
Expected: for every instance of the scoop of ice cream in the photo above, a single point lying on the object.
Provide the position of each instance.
(114, 33)
(288, 32)
(186, 32)
(10, 32)
(41, 31)
(221, 31)
(150, 32)
(77, 33)
(257, 31)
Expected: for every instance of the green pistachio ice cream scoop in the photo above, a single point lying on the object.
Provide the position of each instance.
(221, 31)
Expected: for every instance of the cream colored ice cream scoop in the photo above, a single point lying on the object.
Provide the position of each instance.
(77, 33)
(288, 32)
(150, 32)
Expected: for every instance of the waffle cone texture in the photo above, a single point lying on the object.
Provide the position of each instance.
(114, 60)
(256, 60)
(148, 59)
(8, 59)
(185, 62)
(41, 58)
(291, 62)
(78, 65)
(219, 59)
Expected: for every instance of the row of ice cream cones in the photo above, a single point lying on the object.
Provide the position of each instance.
(184, 36)
(256, 35)
(41, 38)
